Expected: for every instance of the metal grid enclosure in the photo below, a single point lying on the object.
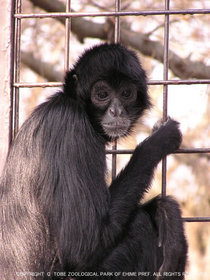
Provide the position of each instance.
(165, 82)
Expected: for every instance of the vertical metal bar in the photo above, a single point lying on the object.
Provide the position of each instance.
(17, 70)
(116, 39)
(67, 36)
(117, 22)
(114, 160)
(12, 36)
(6, 76)
(165, 89)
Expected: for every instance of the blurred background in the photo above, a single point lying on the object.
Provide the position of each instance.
(43, 52)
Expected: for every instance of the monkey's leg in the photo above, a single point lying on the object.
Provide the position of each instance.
(166, 217)
(135, 255)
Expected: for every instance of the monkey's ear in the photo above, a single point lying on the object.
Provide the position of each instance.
(70, 83)
(74, 76)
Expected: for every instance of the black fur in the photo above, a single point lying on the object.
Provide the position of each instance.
(56, 212)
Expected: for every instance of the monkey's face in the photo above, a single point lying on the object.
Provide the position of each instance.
(115, 108)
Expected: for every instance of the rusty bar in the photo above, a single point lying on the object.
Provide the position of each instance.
(115, 13)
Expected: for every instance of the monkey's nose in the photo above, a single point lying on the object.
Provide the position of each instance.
(115, 109)
(113, 112)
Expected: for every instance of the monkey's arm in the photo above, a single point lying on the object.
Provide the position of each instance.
(132, 183)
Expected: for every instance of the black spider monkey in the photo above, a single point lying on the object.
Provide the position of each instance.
(56, 212)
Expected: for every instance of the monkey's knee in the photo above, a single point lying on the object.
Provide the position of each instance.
(166, 217)
(162, 206)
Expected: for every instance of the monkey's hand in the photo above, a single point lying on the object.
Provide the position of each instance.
(166, 136)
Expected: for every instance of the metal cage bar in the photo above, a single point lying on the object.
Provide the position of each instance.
(116, 40)
(151, 82)
(116, 13)
(67, 36)
(165, 88)
(6, 76)
(17, 61)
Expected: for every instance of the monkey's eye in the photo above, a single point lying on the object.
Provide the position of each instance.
(127, 93)
(102, 95)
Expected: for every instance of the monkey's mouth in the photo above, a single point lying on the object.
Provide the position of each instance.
(116, 129)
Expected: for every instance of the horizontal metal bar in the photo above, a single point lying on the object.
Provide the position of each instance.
(196, 219)
(193, 151)
(180, 151)
(151, 82)
(178, 82)
(114, 13)
(31, 85)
